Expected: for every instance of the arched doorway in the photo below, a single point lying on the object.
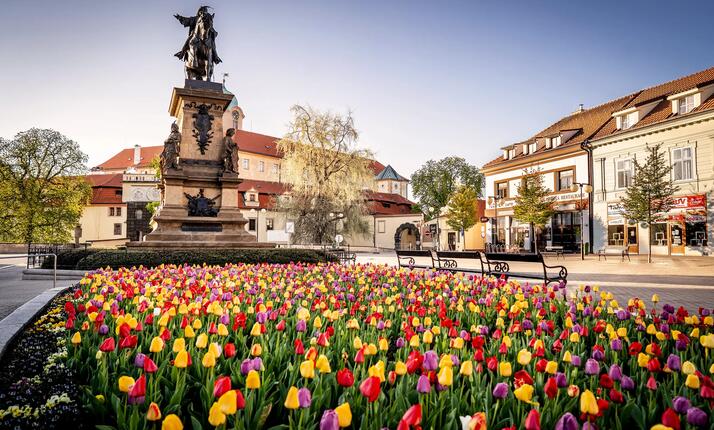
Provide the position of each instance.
(407, 237)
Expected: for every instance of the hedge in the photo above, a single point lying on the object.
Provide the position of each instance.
(68, 259)
(153, 258)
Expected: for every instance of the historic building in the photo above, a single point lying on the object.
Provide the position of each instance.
(103, 221)
(679, 116)
(390, 211)
(598, 146)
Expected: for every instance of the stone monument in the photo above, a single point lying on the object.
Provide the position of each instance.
(199, 174)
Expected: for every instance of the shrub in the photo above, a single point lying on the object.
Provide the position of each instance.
(68, 259)
(153, 258)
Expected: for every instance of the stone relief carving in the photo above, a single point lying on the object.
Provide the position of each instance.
(202, 124)
(200, 205)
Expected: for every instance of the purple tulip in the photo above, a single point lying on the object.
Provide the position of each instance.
(400, 342)
(423, 384)
(592, 367)
(588, 426)
(301, 326)
(674, 362)
(598, 355)
(431, 360)
(304, 397)
(681, 404)
(225, 318)
(246, 366)
(500, 391)
(256, 364)
(103, 329)
(575, 360)
(627, 383)
(455, 360)
(622, 315)
(527, 325)
(561, 380)
(329, 420)
(680, 345)
(668, 308)
(616, 345)
(139, 360)
(615, 372)
(567, 422)
(697, 417)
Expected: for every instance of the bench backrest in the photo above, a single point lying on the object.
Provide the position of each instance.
(471, 255)
(526, 258)
(414, 253)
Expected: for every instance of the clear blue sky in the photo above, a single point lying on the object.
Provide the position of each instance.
(424, 79)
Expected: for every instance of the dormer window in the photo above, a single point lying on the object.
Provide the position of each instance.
(526, 148)
(555, 141)
(505, 154)
(511, 152)
(532, 147)
(626, 122)
(685, 105)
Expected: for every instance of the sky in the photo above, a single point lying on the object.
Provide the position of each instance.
(423, 79)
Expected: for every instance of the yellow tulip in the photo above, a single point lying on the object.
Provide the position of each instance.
(228, 402)
(642, 359)
(551, 367)
(76, 338)
(567, 357)
(575, 337)
(660, 427)
(446, 376)
(377, 370)
(588, 403)
(252, 381)
(467, 368)
(209, 360)
(504, 368)
(215, 349)
(222, 330)
(524, 357)
(524, 393)
(255, 331)
(307, 369)
(125, 383)
(256, 350)
(202, 341)
(157, 344)
(688, 368)
(692, 382)
(706, 341)
(383, 344)
(154, 413)
(655, 298)
(179, 345)
(215, 416)
(291, 401)
(400, 368)
(323, 364)
(427, 337)
(446, 361)
(181, 360)
(188, 332)
(172, 422)
(414, 341)
(344, 415)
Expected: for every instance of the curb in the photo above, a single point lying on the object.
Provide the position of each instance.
(20, 318)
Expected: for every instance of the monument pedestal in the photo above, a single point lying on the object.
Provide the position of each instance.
(199, 199)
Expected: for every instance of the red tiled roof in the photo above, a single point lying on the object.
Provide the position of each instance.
(388, 197)
(266, 187)
(125, 158)
(105, 188)
(257, 143)
(673, 87)
(105, 180)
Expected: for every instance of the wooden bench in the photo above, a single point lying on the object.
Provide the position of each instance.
(342, 255)
(497, 264)
(620, 251)
(449, 260)
(554, 250)
(406, 258)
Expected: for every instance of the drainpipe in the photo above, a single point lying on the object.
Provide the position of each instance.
(587, 147)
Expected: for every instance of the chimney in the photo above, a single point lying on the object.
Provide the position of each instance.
(580, 109)
(137, 154)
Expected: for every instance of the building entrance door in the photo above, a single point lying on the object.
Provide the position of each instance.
(452, 241)
(677, 232)
(632, 245)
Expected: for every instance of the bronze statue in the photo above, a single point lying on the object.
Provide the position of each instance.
(169, 156)
(199, 52)
(230, 152)
(201, 205)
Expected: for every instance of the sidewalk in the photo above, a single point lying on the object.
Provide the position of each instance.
(14, 292)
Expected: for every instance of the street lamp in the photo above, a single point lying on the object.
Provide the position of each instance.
(587, 188)
(435, 211)
(334, 217)
(493, 200)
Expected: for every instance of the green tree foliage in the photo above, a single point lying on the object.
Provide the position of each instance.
(436, 181)
(461, 214)
(532, 204)
(326, 174)
(42, 187)
(650, 196)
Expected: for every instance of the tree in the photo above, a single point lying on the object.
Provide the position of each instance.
(461, 214)
(532, 205)
(436, 181)
(326, 174)
(42, 187)
(650, 195)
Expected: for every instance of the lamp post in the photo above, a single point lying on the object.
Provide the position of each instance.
(583, 187)
(334, 217)
(493, 200)
(435, 211)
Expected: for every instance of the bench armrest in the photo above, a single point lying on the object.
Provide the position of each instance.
(562, 271)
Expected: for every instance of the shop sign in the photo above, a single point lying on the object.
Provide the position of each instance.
(502, 204)
(564, 197)
(689, 202)
(614, 209)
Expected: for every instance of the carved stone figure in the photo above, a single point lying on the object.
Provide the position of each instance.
(199, 51)
(202, 124)
(230, 152)
(201, 205)
(169, 156)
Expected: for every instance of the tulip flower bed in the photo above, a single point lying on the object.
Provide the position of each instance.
(325, 346)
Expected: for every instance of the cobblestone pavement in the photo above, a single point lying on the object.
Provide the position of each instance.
(14, 292)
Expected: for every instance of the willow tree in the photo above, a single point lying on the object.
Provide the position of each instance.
(326, 174)
(42, 187)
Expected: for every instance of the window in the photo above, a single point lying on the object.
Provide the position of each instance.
(261, 166)
(246, 164)
(502, 190)
(118, 193)
(117, 229)
(532, 147)
(685, 105)
(565, 180)
(381, 226)
(696, 233)
(111, 211)
(139, 214)
(659, 234)
(269, 224)
(251, 224)
(275, 169)
(511, 153)
(396, 186)
(623, 169)
(628, 120)
(251, 197)
(236, 117)
(616, 235)
(682, 164)
(387, 205)
(555, 141)
(118, 211)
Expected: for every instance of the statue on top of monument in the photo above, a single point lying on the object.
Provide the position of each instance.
(169, 156)
(230, 152)
(199, 51)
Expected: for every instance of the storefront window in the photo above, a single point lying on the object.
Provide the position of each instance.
(616, 235)
(566, 230)
(659, 235)
(696, 233)
(501, 230)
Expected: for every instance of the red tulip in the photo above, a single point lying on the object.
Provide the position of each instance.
(635, 348)
(370, 388)
(522, 377)
(322, 339)
(412, 417)
(551, 388)
(149, 365)
(240, 400)
(541, 365)
(606, 381)
(616, 396)
(299, 348)
(492, 363)
(139, 388)
(670, 418)
(533, 420)
(165, 335)
(229, 350)
(124, 330)
(652, 383)
(345, 378)
(359, 357)
(653, 365)
(222, 385)
(414, 361)
(280, 326)
(128, 342)
(108, 345)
